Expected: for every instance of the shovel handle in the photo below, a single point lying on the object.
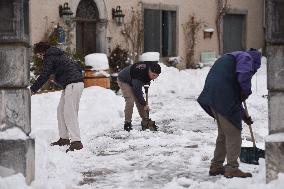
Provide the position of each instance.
(250, 129)
(146, 87)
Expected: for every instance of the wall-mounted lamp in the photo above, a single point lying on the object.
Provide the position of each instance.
(66, 13)
(208, 32)
(118, 15)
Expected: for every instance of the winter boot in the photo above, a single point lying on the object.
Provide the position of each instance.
(144, 124)
(61, 142)
(127, 126)
(76, 145)
(236, 173)
(149, 124)
(216, 170)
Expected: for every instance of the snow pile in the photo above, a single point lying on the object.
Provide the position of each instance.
(178, 156)
(98, 61)
(149, 56)
(13, 182)
(277, 137)
(180, 82)
(13, 134)
(4, 171)
(223, 183)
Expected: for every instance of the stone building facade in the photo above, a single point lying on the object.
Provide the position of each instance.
(95, 29)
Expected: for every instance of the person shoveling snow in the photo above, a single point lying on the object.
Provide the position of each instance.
(68, 75)
(131, 80)
(228, 83)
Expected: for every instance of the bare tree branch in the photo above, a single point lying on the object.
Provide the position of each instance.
(133, 33)
(190, 29)
(222, 9)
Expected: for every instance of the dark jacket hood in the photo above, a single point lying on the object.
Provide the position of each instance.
(54, 51)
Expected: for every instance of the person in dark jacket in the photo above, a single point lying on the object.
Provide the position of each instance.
(227, 85)
(131, 80)
(68, 75)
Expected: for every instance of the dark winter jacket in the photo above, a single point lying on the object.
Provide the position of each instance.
(136, 76)
(229, 75)
(55, 62)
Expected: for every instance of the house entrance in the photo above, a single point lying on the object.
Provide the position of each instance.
(87, 16)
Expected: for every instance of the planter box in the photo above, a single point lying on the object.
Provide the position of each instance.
(92, 78)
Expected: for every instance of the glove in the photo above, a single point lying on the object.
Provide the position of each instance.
(248, 120)
(243, 96)
(31, 92)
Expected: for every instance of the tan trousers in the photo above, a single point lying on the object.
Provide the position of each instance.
(129, 97)
(228, 143)
(67, 111)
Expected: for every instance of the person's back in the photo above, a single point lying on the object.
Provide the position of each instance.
(66, 71)
(140, 71)
(124, 75)
(221, 90)
(137, 71)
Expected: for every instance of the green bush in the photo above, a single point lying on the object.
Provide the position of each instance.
(118, 59)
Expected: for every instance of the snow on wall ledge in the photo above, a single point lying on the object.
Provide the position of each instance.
(277, 137)
(13, 134)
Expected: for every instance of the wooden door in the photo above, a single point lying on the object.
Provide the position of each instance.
(86, 23)
(234, 33)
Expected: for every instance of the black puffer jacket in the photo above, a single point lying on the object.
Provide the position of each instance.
(55, 62)
(136, 76)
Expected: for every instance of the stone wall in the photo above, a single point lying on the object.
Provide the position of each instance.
(16, 154)
(274, 147)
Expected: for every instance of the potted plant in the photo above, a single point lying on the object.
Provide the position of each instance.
(118, 59)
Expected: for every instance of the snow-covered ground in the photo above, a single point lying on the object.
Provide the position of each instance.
(177, 156)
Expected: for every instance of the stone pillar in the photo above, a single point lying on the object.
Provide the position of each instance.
(274, 146)
(101, 31)
(17, 150)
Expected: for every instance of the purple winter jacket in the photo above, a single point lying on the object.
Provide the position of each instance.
(247, 63)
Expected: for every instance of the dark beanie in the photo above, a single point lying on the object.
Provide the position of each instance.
(155, 67)
(256, 56)
(41, 47)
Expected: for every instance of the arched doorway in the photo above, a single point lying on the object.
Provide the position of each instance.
(87, 17)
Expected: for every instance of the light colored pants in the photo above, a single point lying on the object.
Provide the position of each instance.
(228, 143)
(67, 111)
(130, 98)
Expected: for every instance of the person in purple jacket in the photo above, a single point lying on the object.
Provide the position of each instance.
(227, 85)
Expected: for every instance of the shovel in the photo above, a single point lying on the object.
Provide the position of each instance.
(251, 155)
(148, 124)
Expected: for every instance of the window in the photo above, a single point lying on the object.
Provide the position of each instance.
(160, 31)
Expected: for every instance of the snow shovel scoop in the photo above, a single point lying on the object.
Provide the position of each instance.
(251, 155)
(148, 124)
